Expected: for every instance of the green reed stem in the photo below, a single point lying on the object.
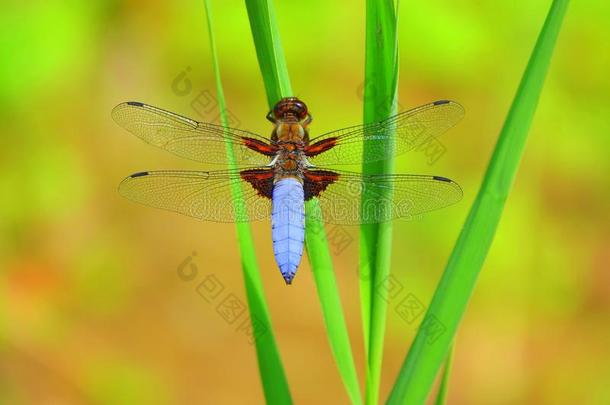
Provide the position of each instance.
(448, 305)
(271, 370)
(273, 68)
(380, 94)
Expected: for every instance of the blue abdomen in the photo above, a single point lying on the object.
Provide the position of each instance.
(288, 225)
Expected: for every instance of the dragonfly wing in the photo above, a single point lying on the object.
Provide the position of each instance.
(412, 195)
(409, 129)
(203, 195)
(187, 138)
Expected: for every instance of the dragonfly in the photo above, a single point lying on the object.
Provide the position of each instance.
(273, 177)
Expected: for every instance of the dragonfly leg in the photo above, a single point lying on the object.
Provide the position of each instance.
(307, 120)
(270, 117)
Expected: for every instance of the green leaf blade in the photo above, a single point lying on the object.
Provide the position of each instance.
(271, 369)
(328, 294)
(380, 94)
(441, 395)
(277, 85)
(457, 283)
(269, 51)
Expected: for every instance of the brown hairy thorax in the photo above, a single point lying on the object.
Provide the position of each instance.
(290, 147)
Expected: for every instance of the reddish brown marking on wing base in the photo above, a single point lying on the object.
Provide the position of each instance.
(320, 146)
(260, 179)
(260, 146)
(317, 181)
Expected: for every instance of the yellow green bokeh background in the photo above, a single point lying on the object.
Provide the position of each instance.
(92, 309)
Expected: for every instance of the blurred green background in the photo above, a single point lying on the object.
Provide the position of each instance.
(93, 307)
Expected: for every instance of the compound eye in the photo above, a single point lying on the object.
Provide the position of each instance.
(302, 110)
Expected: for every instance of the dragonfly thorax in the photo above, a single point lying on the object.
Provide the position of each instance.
(290, 137)
(289, 131)
(290, 160)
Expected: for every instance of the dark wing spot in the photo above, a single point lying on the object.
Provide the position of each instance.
(260, 179)
(440, 102)
(316, 181)
(136, 103)
(140, 174)
(440, 178)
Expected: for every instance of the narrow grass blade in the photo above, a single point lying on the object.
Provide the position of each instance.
(457, 283)
(275, 385)
(328, 293)
(277, 84)
(269, 51)
(441, 395)
(380, 94)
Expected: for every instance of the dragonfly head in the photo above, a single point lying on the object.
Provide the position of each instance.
(290, 107)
